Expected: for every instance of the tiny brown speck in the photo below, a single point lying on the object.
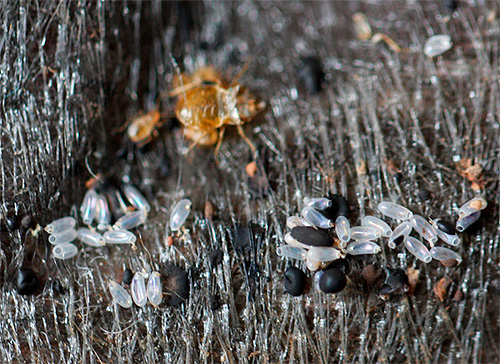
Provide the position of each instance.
(251, 169)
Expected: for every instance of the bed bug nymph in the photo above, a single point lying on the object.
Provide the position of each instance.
(143, 127)
(206, 104)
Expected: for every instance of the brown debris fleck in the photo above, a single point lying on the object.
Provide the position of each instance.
(371, 273)
(413, 277)
(251, 169)
(441, 288)
(473, 173)
(209, 210)
(458, 296)
(450, 263)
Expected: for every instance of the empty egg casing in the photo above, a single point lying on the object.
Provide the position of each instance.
(180, 213)
(365, 233)
(130, 220)
(378, 224)
(343, 229)
(138, 289)
(362, 247)
(65, 236)
(437, 45)
(119, 294)
(59, 225)
(313, 265)
(418, 249)
(451, 239)
(443, 254)
(154, 289)
(424, 228)
(316, 218)
(294, 221)
(320, 203)
(472, 206)
(136, 198)
(103, 213)
(464, 222)
(394, 210)
(400, 233)
(88, 207)
(323, 254)
(119, 237)
(64, 251)
(292, 252)
(90, 237)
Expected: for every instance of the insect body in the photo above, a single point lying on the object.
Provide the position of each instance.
(141, 129)
(206, 105)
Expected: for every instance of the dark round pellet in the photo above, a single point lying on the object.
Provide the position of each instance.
(452, 5)
(176, 284)
(215, 257)
(332, 281)
(294, 281)
(26, 281)
(310, 236)
(339, 207)
(445, 226)
(340, 264)
(311, 75)
(128, 275)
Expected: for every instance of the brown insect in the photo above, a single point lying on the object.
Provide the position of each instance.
(143, 127)
(206, 104)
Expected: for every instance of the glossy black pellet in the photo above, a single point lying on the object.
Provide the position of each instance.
(294, 281)
(452, 5)
(332, 281)
(445, 226)
(26, 281)
(311, 236)
(128, 275)
(339, 207)
(340, 264)
(215, 257)
(311, 75)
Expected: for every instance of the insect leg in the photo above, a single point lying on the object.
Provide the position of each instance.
(241, 132)
(219, 141)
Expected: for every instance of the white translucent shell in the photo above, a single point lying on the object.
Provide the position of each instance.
(65, 236)
(323, 254)
(365, 233)
(103, 214)
(395, 211)
(442, 254)
(316, 218)
(136, 198)
(294, 242)
(180, 213)
(418, 249)
(362, 247)
(313, 265)
(379, 224)
(424, 228)
(90, 237)
(138, 289)
(130, 220)
(464, 222)
(343, 229)
(404, 229)
(451, 239)
(119, 294)
(320, 203)
(64, 251)
(436, 45)
(154, 289)
(119, 237)
(292, 252)
(294, 221)
(59, 225)
(89, 207)
(472, 206)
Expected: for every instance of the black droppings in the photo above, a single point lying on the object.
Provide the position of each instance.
(340, 264)
(396, 282)
(451, 5)
(339, 207)
(214, 301)
(294, 281)
(332, 281)
(445, 226)
(12, 223)
(311, 75)
(242, 238)
(26, 281)
(215, 257)
(128, 275)
(176, 284)
(310, 236)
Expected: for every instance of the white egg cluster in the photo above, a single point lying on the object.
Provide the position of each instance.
(140, 292)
